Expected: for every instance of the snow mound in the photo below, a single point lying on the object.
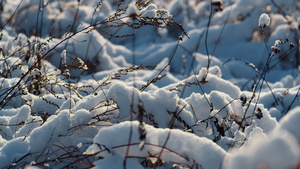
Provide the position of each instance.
(276, 151)
(149, 84)
(112, 141)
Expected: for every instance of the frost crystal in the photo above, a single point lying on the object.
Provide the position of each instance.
(264, 20)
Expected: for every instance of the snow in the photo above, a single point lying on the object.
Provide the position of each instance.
(264, 20)
(132, 9)
(63, 57)
(149, 11)
(13, 149)
(104, 84)
(277, 151)
(44, 136)
(289, 123)
(210, 157)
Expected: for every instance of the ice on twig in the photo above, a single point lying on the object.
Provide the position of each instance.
(264, 20)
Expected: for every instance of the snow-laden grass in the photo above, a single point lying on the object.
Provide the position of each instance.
(150, 84)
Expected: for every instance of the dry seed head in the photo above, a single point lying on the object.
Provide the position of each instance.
(218, 5)
(292, 45)
(259, 113)
(243, 98)
(275, 49)
(180, 38)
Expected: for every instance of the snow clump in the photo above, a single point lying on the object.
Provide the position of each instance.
(132, 9)
(264, 20)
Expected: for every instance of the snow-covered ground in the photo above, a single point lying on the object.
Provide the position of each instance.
(150, 84)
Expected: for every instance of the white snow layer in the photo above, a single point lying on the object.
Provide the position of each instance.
(183, 114)
(178, 145)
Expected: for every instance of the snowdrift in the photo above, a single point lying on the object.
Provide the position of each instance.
(150, 84)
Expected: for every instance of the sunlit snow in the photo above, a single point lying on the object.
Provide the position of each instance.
(150, 84)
